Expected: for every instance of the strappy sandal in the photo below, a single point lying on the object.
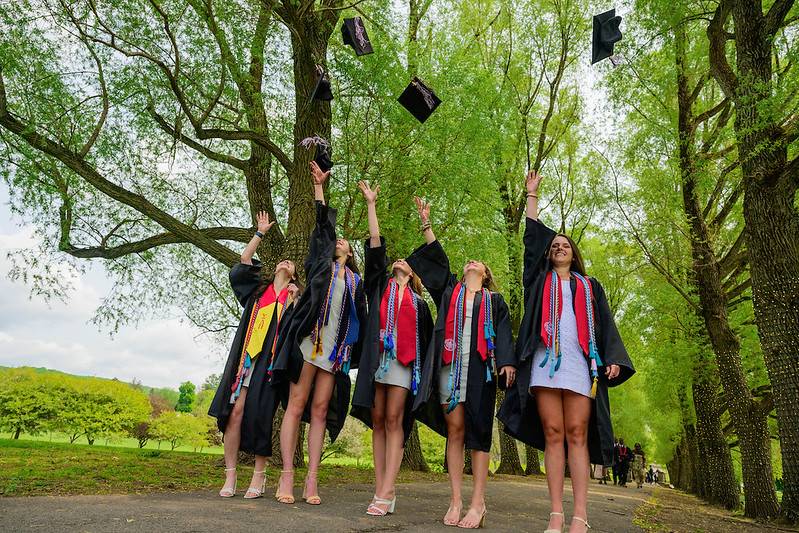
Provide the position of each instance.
(583, 520)
(457, 520)
(288, 499)
(313, 499)
(229, 492)
(562, 523)
(479, 525)
(255, 492)
(374, 510)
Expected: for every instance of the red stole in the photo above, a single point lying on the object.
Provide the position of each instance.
(449, 329)
(404, 325)
(550, 324)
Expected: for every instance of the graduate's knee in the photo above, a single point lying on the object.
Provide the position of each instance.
(378, 420)
(553, 432)
(319, 410)
(236, 414)
(393, 421)
(456, 433)
(576, 434)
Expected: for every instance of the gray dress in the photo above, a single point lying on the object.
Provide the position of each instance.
(573, 373)
(397, 374)
(466, 348)
(329, 333)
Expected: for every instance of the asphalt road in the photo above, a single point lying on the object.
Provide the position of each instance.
(512, 506)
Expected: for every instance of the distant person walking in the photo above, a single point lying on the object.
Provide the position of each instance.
(245, 402)
(616, 464)
(638, 464)
(625, 456)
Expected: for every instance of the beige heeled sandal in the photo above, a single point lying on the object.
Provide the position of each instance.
(229, 492)
(312, 499)
(288, 499)
(583, 520)
(562, 523)
(255, 492)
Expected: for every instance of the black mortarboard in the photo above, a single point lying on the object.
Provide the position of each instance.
(606, 33)
(322, 89)
(323, 151)
(354, 34)
(419, 99)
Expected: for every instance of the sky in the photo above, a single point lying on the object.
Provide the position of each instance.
(159, 353)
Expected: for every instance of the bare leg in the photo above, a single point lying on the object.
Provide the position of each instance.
(323, 390)
(550, 409)
(576, 412)
(456, 433)
(395, 440)
(379, 435)
(232, 442)
(474, 517)
(289, 429)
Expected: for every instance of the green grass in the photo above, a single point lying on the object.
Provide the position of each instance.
(117, 442)
(38, 468)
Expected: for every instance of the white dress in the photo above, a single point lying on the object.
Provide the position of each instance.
(397, 374)
(329, 332)
(573, 373)
(466, 348)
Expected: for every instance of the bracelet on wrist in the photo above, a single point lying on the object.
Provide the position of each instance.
(259, 234)
(531, 195)
(426, 226)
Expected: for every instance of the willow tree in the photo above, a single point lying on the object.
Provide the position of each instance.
(148, 134)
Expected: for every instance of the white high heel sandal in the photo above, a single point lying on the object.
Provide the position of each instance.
(374, 510)
(253, 493)
(228, 492)
(560, 530)
(583, 520)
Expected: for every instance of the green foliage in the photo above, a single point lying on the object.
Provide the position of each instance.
(178, 428)
(185, 402)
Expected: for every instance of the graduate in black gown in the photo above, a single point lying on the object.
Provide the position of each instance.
(568, 357)
(321, 344)
(245, 402)
(397, 331)
(471, 351)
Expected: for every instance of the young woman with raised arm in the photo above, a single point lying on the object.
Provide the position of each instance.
(245, 402)
(322, 343)
(569, 353)
(397, 332)
(471, 351)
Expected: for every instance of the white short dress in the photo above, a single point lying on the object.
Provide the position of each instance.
(329, 332)
(466, 348)
(573, 373)
(397, 374)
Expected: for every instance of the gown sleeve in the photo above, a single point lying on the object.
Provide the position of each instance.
(536, 238)
(503, 342)
(361, 310)
(323, 237)
(612, 349)
(245, 279)
(375, 265)
(431, 264)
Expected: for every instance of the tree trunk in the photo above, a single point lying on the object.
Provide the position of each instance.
(412, 456)
(533, 466)
(748, 418)
(716, 481)
(17, 432)
(770, 215)
(509, 462)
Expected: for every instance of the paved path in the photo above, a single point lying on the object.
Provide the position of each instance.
(512, 506)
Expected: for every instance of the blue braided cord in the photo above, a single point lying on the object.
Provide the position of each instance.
(417, 364)
(455, 368)
(593, 353)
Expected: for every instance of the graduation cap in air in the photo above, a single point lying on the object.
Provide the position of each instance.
(323, 151)
(606, 33)
(419, 99)
(354, 34)
(322, 89)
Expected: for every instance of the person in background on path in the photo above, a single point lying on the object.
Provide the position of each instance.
(397, 331)
(625, 456)
(638, 464)
(245, 402)
(322, 343)
(616, 462)
(470, 356)
(570, 352)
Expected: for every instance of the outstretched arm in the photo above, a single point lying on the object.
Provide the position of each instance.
(371, 210)
(533, 180)
(319, 179)
(262, 218)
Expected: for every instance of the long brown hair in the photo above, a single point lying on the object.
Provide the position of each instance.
(577, 258)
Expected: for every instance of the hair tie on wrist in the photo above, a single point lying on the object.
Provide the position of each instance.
(259, 234)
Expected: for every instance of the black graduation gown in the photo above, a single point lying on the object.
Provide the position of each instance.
(431, 264)
(376, 278)
(289, 360)
(262, 399)
(518, 412)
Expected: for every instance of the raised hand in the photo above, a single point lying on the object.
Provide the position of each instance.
(319, 177)
(533, 181)
(264, 225)
(293, 291)
(369, 194)
(423, 208)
